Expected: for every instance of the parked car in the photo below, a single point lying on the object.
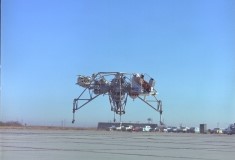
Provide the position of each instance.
(194, 130)
(231, 129)
(147, 129)
(129, 128)
(112, 128)
(137, 129)
(216, 131)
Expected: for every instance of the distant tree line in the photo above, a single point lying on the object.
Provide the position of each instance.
(10, 123)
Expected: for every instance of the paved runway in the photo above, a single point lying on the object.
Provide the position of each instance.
(103, 145)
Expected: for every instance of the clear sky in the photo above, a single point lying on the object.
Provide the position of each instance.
(187, 46)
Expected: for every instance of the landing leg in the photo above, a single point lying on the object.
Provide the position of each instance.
(114, 119)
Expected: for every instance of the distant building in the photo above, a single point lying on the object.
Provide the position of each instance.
(203, 128)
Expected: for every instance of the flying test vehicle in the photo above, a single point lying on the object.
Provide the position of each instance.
(117, 86)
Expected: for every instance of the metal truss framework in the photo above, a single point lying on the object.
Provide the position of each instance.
(118, 86)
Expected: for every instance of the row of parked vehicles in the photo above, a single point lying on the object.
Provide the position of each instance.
(131, 128)
(148, 128)
(182, 129)
(230, 130)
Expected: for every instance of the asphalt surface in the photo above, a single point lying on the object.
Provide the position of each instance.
(31, 144)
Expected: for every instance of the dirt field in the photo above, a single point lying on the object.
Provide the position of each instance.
(49, 144)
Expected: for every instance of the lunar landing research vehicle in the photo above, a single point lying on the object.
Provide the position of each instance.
(117, 86)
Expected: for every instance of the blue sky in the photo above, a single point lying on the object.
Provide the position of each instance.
(187, 46)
